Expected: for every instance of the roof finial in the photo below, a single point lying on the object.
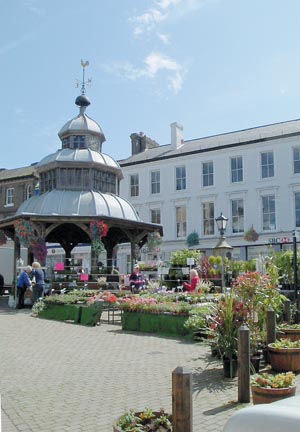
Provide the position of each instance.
(84, 64)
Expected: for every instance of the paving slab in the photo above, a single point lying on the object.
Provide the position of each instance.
(59, 377)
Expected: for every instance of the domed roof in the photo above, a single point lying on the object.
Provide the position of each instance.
(82, 124)
(78, 203)
(79, 155)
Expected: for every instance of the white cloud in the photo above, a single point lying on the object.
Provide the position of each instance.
(165, 39)
(155, 64)
(164, 4)
(147, 21)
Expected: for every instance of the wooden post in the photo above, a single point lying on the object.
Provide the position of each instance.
(182, 402)
(271, 326)
(287, 311)
(243, 364)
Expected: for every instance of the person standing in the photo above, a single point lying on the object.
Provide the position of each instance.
(22, 284)
(1, 285)
(38, 282)
(136, 280)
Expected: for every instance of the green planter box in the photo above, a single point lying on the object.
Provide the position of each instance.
(164, 324)
(79, 314)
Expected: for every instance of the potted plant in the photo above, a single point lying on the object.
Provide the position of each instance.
(147, 420)
(284, 355)
(288, 331)
(267, 388)
(228, 316)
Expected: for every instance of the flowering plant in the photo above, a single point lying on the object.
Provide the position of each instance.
(3, 238)
(251, 235)
(152, 305)
(98, 229)
(40, 250)
(278, 381)
(147, 420)
(285, 343)
(103, 297)
(25, 232)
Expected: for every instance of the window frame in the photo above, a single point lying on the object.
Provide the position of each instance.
(155, 182)
(180, 176)
(134, 186)
(208, 177)
(267, 166)
(267, 224)
(237, 219)
(157, 213)
(9, 197)
(208, 221)
(237, 174)
(181, 225)
(296, 160)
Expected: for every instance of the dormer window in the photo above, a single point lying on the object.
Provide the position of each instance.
(78, 141)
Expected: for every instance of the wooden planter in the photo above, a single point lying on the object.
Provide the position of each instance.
(292, 334)
(284, 359)
(263, 395)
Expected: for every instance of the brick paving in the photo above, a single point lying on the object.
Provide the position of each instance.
(58, 377)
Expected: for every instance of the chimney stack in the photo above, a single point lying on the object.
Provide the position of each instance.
(176, 135)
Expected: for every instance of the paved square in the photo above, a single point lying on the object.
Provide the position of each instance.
(58, 377)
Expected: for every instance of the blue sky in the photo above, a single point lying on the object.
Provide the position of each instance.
(214, 66)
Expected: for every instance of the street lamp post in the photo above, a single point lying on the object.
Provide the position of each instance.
(222, 246)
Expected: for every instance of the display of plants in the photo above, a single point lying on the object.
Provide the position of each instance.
(285, 343)
(267, 380)
(103, 297)
(151, 305)
(179, 258)
(144, 421)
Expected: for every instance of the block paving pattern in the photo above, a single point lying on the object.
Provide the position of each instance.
(60, 377)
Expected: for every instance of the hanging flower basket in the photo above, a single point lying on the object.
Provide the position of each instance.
(98, 230)
(25, 232)
(3, 238)
(39, 250)
(251, 235)
(98, 246)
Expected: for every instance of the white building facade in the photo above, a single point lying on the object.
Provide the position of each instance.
(251, 176)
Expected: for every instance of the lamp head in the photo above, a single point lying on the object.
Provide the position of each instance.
(221, 223)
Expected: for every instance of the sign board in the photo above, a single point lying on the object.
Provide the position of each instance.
(190, 261)
(185, 270)
(163, 270)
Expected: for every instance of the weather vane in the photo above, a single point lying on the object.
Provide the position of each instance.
(84, 64)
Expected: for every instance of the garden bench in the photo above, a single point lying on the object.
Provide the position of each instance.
(283, 415)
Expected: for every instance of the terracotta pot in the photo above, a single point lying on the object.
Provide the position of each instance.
(284, 359)
(263, 395)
